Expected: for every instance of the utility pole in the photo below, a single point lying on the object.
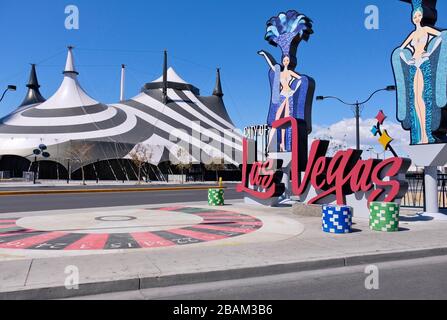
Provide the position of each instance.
(165, 78)
(357, 122)
(357, 105)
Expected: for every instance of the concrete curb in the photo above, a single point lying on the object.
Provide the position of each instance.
(140, 283)
(85, 191)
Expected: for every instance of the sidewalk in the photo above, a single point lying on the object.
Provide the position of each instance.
(18, 189)
(93, 184)
(285, 243)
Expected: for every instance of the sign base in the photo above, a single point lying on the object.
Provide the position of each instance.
(430, 157)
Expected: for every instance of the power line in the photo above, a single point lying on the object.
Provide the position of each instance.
(120, 50)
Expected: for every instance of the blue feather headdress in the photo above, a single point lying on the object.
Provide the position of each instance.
(287, 29)
(417, 6)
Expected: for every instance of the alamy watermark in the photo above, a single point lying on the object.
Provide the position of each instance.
(72, 279)
(72, 19)
(372, 20)
(372, 281)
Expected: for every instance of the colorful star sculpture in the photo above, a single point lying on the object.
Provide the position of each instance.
(384, 138)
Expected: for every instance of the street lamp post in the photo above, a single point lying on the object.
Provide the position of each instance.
(35, 170)
(40, 151)
(357, 105)
(68, 171)
(9, 88)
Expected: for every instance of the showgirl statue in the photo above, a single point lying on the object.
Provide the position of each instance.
(420, 70)
(291, 92)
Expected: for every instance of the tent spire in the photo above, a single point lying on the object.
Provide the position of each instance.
(218, 89)
(69, 65)
(33, 83)
(33, 96)
(165, 77)
(70, 93)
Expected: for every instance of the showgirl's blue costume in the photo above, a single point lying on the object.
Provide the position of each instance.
(434, 71)
(286, 31)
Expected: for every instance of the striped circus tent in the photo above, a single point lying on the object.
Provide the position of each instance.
(169, 120)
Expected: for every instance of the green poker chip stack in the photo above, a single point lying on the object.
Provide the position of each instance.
(384, 217)
(216, 197)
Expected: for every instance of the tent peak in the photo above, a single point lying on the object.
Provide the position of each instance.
(172, 76)
(70, 94)
(33, 95)
(218, 89)
(69, 65)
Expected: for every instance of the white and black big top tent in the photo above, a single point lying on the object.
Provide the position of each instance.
(169, 119)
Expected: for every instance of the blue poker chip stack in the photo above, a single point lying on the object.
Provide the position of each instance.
(337, 219)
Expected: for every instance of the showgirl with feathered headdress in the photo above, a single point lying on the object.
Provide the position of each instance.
(420, 69)
(292, 93)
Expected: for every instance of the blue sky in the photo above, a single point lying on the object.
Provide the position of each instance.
(344, 57)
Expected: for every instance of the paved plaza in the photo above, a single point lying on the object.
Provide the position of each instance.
(122, 249)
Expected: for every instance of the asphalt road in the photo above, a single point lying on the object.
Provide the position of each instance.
(424, 279)
(93, 186)
(28, 203)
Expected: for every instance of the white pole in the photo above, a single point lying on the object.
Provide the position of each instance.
(123, 74)
(431, 189)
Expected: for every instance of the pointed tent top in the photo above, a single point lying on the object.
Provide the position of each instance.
(172, 76)
(69, 65)
(33, 95)
(33, 82)
(218, 89)
(169, 80)
(70, 94)
(173, 82)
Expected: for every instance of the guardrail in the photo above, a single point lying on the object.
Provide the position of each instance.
(415, 195)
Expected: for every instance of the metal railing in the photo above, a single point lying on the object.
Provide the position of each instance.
(415, 195)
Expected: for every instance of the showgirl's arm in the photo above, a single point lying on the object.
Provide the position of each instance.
(438, 40)
(403, 47)
(298, 77)
(437, 43)
(432, 31)
(298, 86)
(262, 53)
(404, 58)
(295, 75)
(408, 41)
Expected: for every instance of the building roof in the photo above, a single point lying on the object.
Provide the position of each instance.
(181, 117)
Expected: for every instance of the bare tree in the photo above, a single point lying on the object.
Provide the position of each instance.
(140, 156)
(216, 165)
(80, 152)
(184, 161)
